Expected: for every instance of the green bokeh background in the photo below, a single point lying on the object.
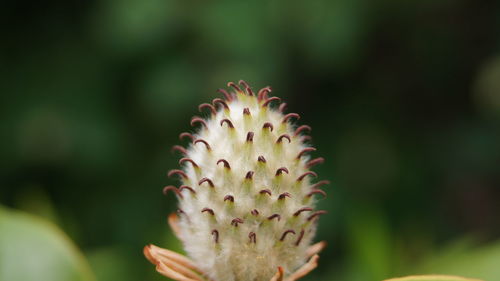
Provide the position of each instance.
(403, 98)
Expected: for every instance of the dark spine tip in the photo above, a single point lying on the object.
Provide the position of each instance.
(180, 212)
(236, 221)
(209, 181)
(234, 86)
(316, 191)
(282, 107)
(204, 142)
(254, 212)
(215, 234)
(182, 187)
(274, 216)
(210, 211)
(228, 122)
(262, 94)
(308, 173)
(186, 135)
(261, 159)
(302, 128)
(250, 137)
(269, 126)
(171, 188)
(269, 100)
(315, 214)
(290, 115)
(284, 195)
(229, 197)
(315, 161)
(284, 136)
(179, 148)
(246, 111)
(320, 183)
(281, 170)
(182, 160)
(265, 191)
(177, 172)
(253, 237)
(227, 96)
(226, 164)
(197, 119)
(246, 86)
(305, 150)
(301, 235)
(283, 236)
(249, 175)
(221, 102)
(209, 106)
(305, 209)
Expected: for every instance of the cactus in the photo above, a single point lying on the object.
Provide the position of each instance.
(246, 198)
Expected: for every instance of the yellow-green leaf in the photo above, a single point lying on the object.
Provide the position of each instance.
(32, 249)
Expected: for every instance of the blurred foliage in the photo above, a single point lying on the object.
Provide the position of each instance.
(403, 96)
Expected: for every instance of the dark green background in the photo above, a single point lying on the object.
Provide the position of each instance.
(403, 98)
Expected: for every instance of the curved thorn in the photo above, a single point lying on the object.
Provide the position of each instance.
(308, 173)
(246, 86)
(172, 188)
(315, 161)
(305, 209)
(210, 211)
(179, 148)
(182, 187)
(182, 160)
(261, 159)
(302, 128)
(229, 123)
(290, 115)
(262, 94)
(284, 195)
(197, 119)
(209, 106)
(254, 212)
(315, 214)
(301, 235)
(186, 135)
(221, 102)
(236, 221)
(227, 96)
(253, 237)
(249, 175)
(226, 164)
(280, 138)
(229, 197)
(282, 107)
(265, 191)
(269, 100)
(320, 183)
(209, 181)
(246, 111)
(316, 191)
(285, 233)
(204, 142)
(281, 170)
(177, 172)
(233, 85)
(215, 234)
(269, 126)
(250, 137)
(274, 216)
(305, 150)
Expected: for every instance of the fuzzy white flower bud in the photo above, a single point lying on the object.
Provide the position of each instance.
(246, 202)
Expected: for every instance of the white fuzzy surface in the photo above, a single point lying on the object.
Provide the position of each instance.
(235, 256)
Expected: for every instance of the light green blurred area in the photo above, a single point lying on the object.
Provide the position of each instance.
(403, 98)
